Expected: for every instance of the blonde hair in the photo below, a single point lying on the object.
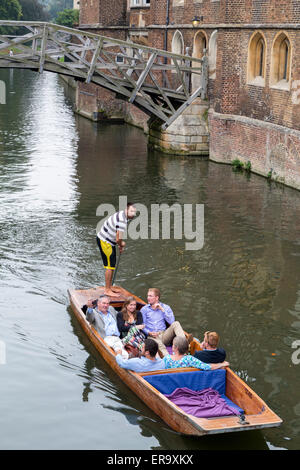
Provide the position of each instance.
(156, 291)
(212, 338)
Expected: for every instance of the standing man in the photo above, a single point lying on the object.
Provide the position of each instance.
(155, 316)
(110, 235)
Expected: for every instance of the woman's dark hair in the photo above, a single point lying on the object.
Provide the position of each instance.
(124, 309)
(151, 346)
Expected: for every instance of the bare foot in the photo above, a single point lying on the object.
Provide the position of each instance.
(110, 293)
(115, 288)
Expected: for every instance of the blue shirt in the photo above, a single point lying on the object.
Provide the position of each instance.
(138, 364)
(155, 320)
(110, 324)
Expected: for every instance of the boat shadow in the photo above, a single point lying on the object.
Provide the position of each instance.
(137, 413)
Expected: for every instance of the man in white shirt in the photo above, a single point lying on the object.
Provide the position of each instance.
(104, 320)
(109, 236)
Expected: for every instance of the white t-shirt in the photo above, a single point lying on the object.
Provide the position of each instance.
(116, 222)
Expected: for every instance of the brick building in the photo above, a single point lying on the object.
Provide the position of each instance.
(254, 71)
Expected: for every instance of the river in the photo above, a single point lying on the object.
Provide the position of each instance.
(56, 168)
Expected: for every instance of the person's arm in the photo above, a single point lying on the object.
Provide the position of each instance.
(194, 362)
(121, 244)
(129, 364)
(144, 315)
(219, 365)
(168, 314)
(139, 321)
(121, 324)
(90, 314)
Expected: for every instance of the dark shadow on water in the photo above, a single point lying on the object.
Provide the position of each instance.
(138, 414)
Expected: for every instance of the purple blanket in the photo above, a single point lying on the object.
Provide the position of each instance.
(206, 403)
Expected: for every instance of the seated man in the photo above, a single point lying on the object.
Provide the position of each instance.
(181, 358)
(104, 320)
(146, 363)
(210, 353)
(155, 315)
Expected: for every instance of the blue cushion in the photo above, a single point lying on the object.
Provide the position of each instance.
(196, 380)
(230, 403)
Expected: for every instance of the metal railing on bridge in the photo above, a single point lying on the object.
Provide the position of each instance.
(158, 82)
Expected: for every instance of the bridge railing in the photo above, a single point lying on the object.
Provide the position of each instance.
(157, 81)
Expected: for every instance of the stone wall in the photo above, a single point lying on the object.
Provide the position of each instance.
(273, 150)
(189, 134)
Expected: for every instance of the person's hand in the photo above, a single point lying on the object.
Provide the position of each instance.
(157, 307)
(140, 327)
(118, 351)
(153, 334)
(225, 364)
(121, 246)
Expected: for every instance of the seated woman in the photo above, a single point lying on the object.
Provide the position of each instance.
(130, 325)
(181, 358)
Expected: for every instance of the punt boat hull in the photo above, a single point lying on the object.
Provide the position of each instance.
(257, 414)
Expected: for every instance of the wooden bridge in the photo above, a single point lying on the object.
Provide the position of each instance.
(156, 81)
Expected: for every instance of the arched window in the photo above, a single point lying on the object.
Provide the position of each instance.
(283, 59)
(259, 56)
(199, 46)
(178, 45)
(281, 62)
(212, 55)
(257, 60)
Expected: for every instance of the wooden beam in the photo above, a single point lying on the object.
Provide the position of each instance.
(43, 49)
(94, 60)
(182, 108)
(143, 77)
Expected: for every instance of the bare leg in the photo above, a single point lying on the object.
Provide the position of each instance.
(108, 279)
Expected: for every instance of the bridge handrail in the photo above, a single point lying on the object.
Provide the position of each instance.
(158, 82)
(74, 31)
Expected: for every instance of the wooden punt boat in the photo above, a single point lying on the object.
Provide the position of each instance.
(257, 414)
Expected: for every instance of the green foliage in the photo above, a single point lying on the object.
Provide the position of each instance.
(9, 10)
(33, 10)
(205, 115)
(68, 18)
(55, 6)
(237, 164)
(248, 166)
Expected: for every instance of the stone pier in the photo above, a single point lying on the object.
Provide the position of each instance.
(188, 135)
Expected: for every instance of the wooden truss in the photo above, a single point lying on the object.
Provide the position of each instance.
(156, 81)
